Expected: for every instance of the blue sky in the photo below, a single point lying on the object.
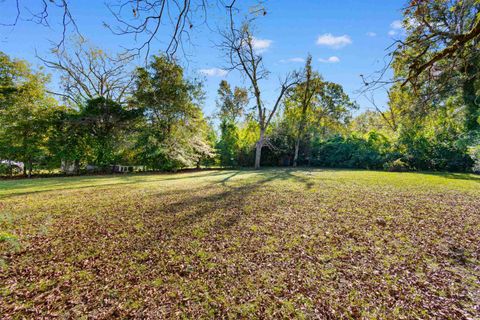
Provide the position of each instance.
(346, 38)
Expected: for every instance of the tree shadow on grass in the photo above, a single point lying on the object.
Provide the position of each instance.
(95, 182)
(229, 202)
(64, 187)
(456, 176)
(308, 182)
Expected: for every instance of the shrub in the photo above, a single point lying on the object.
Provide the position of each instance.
(396, 166)
(6, 169)
(347, 152)
(475, 155)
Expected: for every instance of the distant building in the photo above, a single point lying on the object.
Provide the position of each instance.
(18, 164)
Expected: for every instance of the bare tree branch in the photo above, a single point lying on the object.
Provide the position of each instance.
(88, 72)
(41, 16)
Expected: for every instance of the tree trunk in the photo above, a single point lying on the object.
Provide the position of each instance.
(30, 169)
(258, 149)
(470, 99)
(295, 156)
(301, 128)
(77, 167)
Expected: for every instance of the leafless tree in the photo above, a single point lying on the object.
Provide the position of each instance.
(239, 45)
(88, 72)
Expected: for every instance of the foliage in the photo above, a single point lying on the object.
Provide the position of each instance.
(396, 166)
(173, 132)
(9, 169)
(228, 145)
(231, 106)
(350, 152)
(25, 112)
(103, 121)
(440, 56)
(475, 155)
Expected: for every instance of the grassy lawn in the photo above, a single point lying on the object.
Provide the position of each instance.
(242, 244)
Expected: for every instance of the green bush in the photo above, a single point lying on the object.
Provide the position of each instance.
(396, 166)
(347, 152)
(6, 169)
(429, 153)
(475, 155)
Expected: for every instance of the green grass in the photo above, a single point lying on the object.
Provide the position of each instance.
(242, 244)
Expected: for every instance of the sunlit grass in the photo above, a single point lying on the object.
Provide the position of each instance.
(271, 243)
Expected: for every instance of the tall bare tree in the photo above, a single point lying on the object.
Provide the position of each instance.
(239, 45)
(88, 72)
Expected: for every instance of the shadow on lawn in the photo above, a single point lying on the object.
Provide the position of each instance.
(228, 204)
(72, 183)
(456, 176)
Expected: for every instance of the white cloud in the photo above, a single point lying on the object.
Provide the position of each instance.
(396, 25)
(213, 72)
(296, 59)
(260, 45)
(371, 34)
(396, 28)
(332, 59)
(332, 41)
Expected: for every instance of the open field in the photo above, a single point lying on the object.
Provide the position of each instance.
(242, 244)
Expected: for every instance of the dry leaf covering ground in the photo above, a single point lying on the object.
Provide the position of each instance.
(318, 244)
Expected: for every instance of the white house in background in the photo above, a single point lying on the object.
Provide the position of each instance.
(19, 164)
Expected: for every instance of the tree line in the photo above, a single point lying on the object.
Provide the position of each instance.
(106, 114)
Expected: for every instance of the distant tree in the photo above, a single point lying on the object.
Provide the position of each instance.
(315, 105)
(230, 105)
(103, 122)
(369, 121)
(239, 45)
(302, 99)
(88, 72)
(25, 111)
(68, 142)
(173, 132)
